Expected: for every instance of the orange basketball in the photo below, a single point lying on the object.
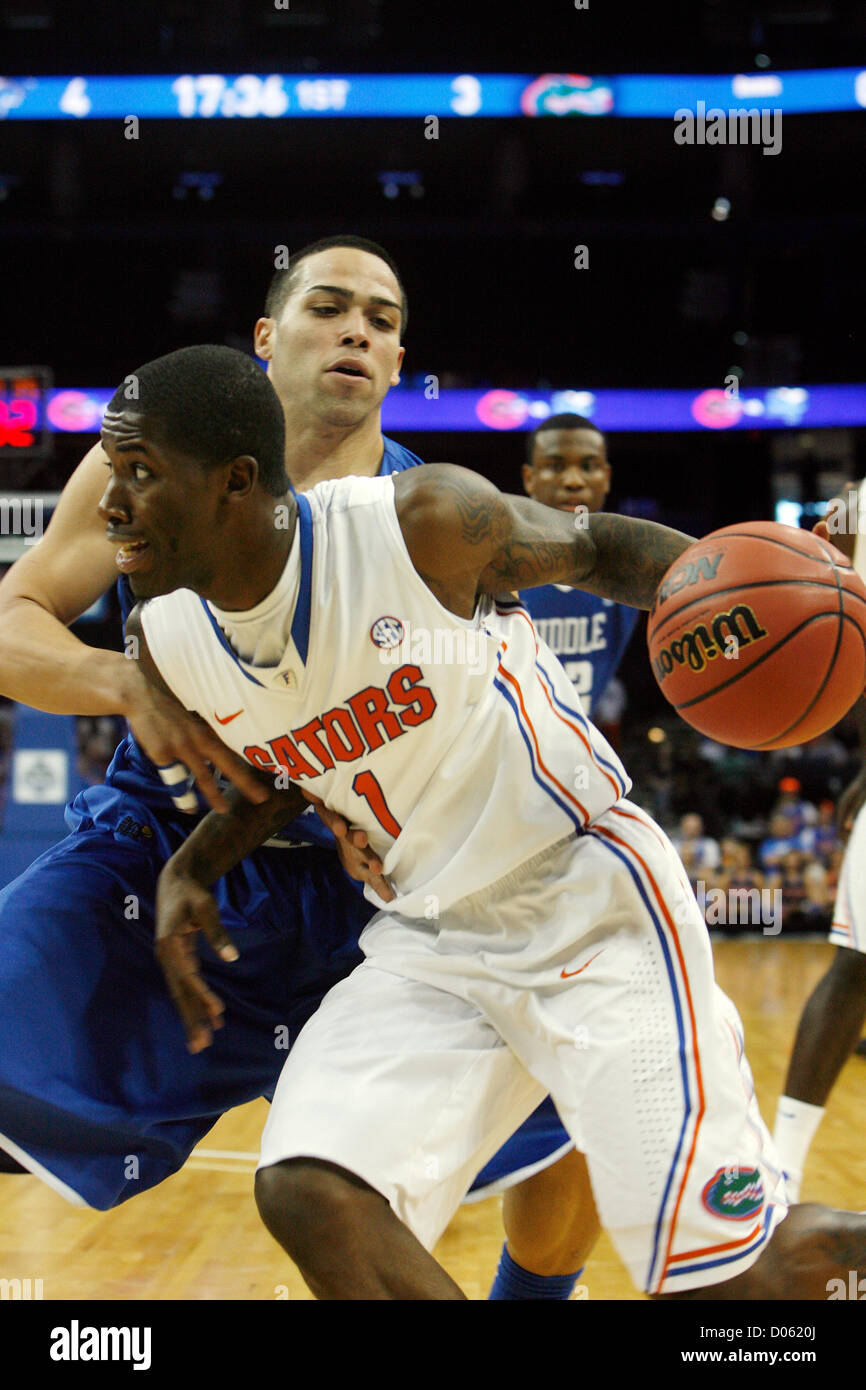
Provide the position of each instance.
(758, 635)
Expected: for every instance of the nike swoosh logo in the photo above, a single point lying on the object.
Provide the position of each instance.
(567, 974)
(229, 717)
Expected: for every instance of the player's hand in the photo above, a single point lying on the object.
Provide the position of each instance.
(183, 909)
(168, 733)
(843, 540)
(355, 854)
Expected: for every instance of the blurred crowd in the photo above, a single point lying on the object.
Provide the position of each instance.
(746, 821)
(801, 865)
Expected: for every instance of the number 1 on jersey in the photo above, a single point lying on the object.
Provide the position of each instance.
(365, 784)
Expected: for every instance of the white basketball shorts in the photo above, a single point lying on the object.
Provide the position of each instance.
(586, 974)
(849, 913)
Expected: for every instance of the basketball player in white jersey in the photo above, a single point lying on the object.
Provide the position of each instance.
(542, 935)
(331, 334)
(833, 1016)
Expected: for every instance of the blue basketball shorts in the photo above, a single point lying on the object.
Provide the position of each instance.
(98, 1093)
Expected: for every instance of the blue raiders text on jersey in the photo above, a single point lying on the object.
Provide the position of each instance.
(587, 633)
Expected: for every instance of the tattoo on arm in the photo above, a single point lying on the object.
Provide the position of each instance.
(632, 557)
(460, 528)
(480, 523)
(617, 557)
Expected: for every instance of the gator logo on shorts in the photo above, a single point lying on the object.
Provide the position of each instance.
(736, 1193)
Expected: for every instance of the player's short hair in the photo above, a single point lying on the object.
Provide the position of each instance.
(214, 404)
(283, 281)
(565, 421)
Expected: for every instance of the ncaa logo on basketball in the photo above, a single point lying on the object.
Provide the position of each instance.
(735, 1193)
(387, 633)
(703, 568)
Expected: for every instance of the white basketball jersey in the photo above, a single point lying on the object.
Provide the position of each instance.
(459, 745)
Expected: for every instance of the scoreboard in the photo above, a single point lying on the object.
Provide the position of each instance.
(189, 96)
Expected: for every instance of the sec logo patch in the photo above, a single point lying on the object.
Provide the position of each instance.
(736, 1193)
(387, 633)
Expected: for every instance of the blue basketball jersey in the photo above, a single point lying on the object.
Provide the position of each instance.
(588, 634)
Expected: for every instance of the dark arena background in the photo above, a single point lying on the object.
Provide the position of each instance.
(567, 244)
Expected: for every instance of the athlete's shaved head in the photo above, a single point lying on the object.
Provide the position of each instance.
(212, 404)
(565, 421)
(567, 464)
(284, 281)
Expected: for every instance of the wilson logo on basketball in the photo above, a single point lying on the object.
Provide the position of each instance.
(737, 628)
(736, 1193)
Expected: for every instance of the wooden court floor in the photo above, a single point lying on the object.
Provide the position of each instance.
(198, 1236)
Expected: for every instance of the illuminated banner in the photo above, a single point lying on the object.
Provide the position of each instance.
(773, 408)
(24, 429)
(249, 95)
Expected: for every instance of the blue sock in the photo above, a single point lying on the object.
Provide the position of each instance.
(513, 1282)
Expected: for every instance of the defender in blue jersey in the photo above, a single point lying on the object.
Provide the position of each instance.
(97, 1093)
(566, 468)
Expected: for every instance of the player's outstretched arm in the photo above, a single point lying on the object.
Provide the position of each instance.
(464, 535)
(41, 663)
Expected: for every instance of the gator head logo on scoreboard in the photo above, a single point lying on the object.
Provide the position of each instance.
(566, 94)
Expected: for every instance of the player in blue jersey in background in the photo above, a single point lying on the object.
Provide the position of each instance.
(98, 1095)
(566, 468)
